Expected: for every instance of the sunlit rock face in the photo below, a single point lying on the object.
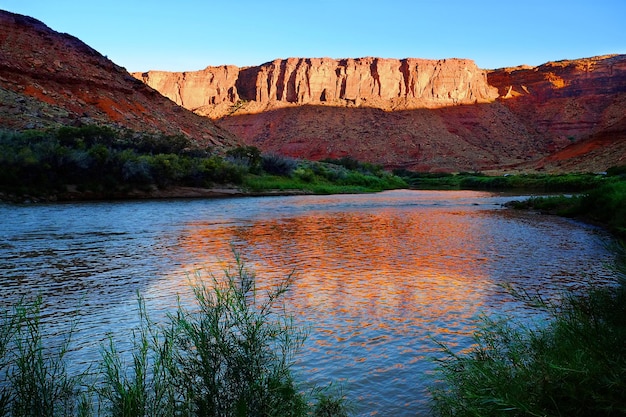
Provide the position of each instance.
(433, 115)
(50, 79)
(580, 104)
(370, 82)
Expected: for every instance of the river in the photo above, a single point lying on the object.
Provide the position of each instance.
(378, 277)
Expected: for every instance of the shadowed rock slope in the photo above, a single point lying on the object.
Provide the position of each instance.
(49, 79)
(443, 115)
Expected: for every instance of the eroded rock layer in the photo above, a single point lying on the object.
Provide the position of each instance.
(368, 82)
(419, 114)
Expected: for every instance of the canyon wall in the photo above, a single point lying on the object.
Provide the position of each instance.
(419, 114)
(370, 82)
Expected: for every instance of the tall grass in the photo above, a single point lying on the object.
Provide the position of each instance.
(230, 355)
(33, 374)
(574, 366)
(480, 181)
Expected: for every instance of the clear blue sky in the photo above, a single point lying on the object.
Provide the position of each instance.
(190, 35)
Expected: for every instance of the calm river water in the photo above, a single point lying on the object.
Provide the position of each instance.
(378, 277)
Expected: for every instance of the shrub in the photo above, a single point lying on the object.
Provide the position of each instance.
(275, 164)
(617, 171)
(89, 135)
(229, 355)
(34, 378)
(236, 351)
(575, 366)
(305, 174)
(249, 156)
(607, 205)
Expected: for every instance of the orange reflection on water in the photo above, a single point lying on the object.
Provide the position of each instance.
(388, 267)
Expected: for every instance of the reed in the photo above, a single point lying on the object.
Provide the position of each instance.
(33, 374)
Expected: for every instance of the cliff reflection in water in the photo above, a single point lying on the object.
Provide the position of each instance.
(361, 262)
(371, 286)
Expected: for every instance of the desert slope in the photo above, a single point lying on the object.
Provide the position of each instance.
(50, 79)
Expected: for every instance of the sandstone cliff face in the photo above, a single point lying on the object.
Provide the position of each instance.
(566, 98)
(370, 82)
(51, 79)
(419, 114)
(579, 104)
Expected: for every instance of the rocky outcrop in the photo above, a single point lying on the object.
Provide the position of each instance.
(419, 114)
(566, 99)
(443, 115)
(49, 79)
(370, 82)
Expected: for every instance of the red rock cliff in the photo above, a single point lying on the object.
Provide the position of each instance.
(368, 82)
(420, 114)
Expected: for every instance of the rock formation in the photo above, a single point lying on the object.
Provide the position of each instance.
(366, 82)
(580, 103)
(419, 114)
(50, 79)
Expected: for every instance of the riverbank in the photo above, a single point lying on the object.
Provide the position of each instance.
(575, 365)
(604, 206)
(154, 193)
(97, 163)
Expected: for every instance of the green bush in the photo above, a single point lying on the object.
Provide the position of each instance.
(110, 162)
(304, 173)
(574, 366)
(278, 165)
(230, 355)
(248, 156)
(33, 374)
(604, 205)
(617, 171)
(607, 205)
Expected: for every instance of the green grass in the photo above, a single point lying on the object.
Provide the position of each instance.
(479, 181)
(229, 355)
(307, 180)
(604, 205)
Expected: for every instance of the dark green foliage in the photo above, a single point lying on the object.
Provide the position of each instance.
(607, 205)
(575, 366)
(111, 163)
(480, 181)
(617, 171)
(330, 404)
(604, 205)
(278, 165)
(101, 159)
(561, 205)
(354, 165)
(33, 375)
(230, 355)
(248, 156)
(235, 352)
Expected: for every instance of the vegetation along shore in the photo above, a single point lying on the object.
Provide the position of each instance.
(95, 162)
(576, 364)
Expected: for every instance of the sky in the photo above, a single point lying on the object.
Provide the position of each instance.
(189, 35)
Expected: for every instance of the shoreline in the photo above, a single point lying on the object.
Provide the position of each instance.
(182, 192)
